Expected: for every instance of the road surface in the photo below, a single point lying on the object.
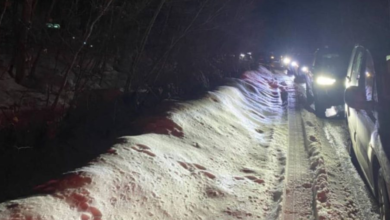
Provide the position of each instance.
(321, 181)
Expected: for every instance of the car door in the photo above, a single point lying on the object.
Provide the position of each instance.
(353, 76)
(366, 118)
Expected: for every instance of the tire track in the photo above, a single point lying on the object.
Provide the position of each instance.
(339, 191)
(321, 181)
(298, 196)
(332, 137)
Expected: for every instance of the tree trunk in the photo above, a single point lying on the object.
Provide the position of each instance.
(35, 63)
(23, 38)
(48, 16)
(4, 9)
(142, 47)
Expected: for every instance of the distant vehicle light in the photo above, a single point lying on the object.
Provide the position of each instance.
(325, 81)
(305, 69)
(242, 55)
(53, 26)
(286, 61)
(294, 64)
(250, 53)
(368, 74)
(272, 57)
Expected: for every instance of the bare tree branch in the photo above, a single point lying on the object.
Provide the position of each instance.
(87, 36)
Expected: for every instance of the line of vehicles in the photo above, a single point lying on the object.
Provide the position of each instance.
(355, 82)
(324, 79)
(360, 83)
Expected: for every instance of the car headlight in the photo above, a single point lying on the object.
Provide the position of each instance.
(325, 81)
(294, 64)
(286, 61)
(305, 69)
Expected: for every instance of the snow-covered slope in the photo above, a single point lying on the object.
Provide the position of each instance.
(220, 157)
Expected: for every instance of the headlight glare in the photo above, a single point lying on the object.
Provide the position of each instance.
(286, 61)
(305, 69)
(325, 81)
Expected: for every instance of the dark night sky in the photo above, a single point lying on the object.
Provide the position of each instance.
(304, 25)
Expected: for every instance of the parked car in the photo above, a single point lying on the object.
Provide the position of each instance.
(326, 83)
(368, 116)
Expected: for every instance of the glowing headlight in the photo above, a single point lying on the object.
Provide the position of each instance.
(305, 69)
(326, 81)
(294, 64)
(286, 61)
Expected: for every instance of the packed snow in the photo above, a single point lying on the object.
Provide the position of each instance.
(224, 156)
(220, 157)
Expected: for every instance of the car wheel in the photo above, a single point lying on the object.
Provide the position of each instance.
(319, 108)
(309, 94)
(383, 200)
(352, 154)
(343, 115)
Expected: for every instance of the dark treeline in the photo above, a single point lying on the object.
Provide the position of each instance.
(177, 46)
(85, 69)
(143, 49)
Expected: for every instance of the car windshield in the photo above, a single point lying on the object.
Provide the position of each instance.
(331, 63)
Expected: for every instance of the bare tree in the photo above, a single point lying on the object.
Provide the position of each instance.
(141, 48)
(4, 10)
(85, 40)
(24, 28)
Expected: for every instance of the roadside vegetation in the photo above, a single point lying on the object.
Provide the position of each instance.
(67, 62)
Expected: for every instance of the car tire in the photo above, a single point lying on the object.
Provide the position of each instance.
(319, 108)
(309, 94)
(342, 115)
(383, 201)
(352, 154)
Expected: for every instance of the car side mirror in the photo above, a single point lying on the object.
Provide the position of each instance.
(356, 99)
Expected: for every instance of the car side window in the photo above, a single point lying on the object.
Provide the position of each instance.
(369, 82)
(357, 67)
(315, 58)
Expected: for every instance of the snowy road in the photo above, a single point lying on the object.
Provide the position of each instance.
(238, 153)
(298, 193)
(322, 182)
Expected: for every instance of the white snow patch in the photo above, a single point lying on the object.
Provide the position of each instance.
(220, 157)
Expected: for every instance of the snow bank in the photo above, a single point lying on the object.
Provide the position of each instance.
(220, 157)
(12, 94)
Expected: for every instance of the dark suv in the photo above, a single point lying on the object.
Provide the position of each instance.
(326, 84)
(367, 100)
